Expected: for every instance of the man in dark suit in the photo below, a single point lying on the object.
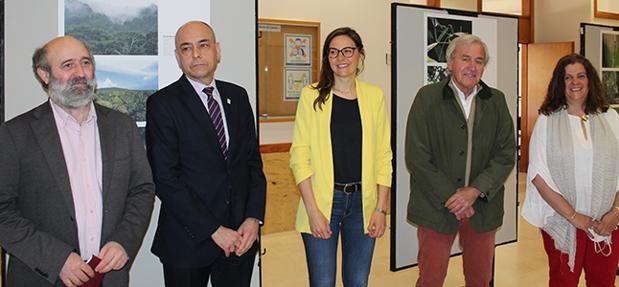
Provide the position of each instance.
(74, 179)
(202, 146)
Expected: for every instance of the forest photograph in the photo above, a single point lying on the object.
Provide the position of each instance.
(113, 27)
(125, 83)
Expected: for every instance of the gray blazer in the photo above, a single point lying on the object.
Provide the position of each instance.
(37, 216)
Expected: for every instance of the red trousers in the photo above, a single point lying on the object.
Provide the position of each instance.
(435, 250)
(599, 269)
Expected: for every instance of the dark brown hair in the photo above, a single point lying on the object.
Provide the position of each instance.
(555, 97)
(326, 73)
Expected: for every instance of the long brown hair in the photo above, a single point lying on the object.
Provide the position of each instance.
(326, 73)
(555, 97)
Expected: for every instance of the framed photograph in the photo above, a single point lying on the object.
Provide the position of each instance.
(295, 80)
(125, 82)
(610, 49)
(437, 73)
(113, 27)
(606, 9)
(610, 80)
(609, 65)
(298, 49)
(439, 31)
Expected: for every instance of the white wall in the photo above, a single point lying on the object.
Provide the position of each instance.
(22, 35)
(559, 20)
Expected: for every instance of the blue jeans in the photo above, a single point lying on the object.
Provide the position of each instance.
(357, 247)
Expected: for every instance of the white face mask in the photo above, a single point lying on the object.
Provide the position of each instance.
(601, 243)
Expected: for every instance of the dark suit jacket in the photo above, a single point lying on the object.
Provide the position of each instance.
(37, 215)
(198, 189)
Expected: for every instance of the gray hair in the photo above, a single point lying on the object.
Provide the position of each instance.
(465, 40)
(40, 61)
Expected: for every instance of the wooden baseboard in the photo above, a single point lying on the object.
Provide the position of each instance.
(281, 147)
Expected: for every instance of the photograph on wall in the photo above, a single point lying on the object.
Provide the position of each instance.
(610, 49)
(296, 79)
(437, 73)
(439, 32)
(298, 49)
(610, 79)
(125, 82)
(113, 27)
(609, 65)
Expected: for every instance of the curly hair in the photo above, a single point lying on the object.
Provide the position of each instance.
(555, 97)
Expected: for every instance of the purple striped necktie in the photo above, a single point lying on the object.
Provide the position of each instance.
(215, 113)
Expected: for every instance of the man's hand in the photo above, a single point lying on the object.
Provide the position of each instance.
(249, 233)
(467, 213)
(113, 256)
(75, 271)
(226, 238)
(462, 199)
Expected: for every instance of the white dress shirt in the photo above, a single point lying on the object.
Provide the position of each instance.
(465, 101)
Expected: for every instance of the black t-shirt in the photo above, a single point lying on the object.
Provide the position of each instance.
(346, 140)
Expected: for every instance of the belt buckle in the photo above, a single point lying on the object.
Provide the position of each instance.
(345, 189)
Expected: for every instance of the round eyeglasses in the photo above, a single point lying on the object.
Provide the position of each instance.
(346, 52)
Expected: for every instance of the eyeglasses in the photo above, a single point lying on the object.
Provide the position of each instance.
(346, 52)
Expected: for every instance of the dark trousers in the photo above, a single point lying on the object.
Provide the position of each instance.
(223, 272)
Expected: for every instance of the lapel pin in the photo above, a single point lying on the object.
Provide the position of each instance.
(228, 101)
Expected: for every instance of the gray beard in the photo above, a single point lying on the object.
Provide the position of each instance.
(68, 97)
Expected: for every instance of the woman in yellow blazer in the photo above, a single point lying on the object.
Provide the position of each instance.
(341, 161)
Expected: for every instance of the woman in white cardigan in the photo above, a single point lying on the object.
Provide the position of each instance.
(573, 176)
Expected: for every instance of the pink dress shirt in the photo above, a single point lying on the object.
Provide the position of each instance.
(82, 153)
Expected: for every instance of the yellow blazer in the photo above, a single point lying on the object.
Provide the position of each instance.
(311, 152)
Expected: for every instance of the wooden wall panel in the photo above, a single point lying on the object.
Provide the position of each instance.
(539, 61)
(271, 65)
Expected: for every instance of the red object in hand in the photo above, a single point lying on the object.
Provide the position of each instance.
(98, 278)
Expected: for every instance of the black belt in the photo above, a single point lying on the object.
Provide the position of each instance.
(348, 188)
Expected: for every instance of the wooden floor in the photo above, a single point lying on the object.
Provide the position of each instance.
(522, 264)
(282, 194)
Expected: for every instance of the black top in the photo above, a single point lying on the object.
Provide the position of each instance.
(346, 140)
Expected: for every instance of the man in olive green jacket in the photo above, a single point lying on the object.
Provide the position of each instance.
(460, 149)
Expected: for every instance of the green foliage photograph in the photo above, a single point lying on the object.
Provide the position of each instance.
(131, 102)
(125, 82)
(610, 50)
(113, 27)
(610, 79)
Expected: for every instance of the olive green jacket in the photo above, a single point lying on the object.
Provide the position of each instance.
(435, 151)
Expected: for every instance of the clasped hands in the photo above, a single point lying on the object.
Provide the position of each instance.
(76, 272)
(461, 202)
(604, 227)
(237, 241)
